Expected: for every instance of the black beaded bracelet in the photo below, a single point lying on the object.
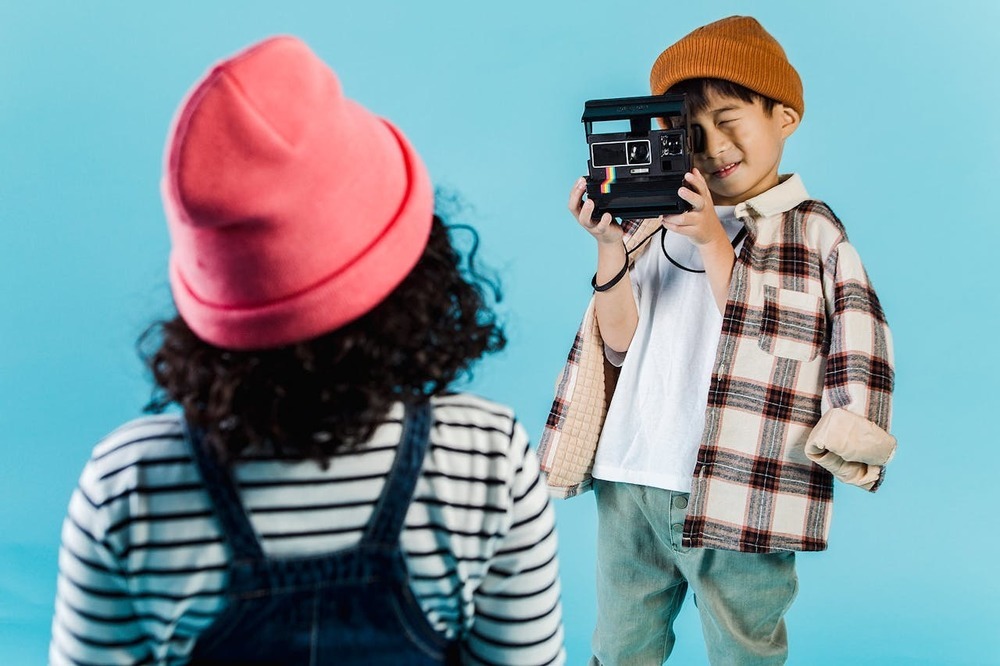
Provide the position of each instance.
(613, 281)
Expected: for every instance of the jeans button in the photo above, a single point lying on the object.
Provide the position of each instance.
(680, 502)
(678, 527)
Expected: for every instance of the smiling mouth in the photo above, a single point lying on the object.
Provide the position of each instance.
(726, 170)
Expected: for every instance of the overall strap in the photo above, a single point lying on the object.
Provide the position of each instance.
(389, 513)
(221, 488)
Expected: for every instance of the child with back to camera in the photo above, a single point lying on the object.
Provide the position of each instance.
(321, 498)
(725, 372)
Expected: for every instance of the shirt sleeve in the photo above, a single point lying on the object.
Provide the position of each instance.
(94, 620)
(615, 358)
(859, 369)
(518, 613)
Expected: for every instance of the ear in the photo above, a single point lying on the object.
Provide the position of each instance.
(788, 119)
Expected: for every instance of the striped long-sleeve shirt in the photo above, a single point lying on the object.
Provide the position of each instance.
(142, 567)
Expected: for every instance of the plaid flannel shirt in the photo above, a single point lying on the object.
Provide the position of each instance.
(803, 340)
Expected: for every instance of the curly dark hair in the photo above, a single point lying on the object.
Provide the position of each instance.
(310, 399)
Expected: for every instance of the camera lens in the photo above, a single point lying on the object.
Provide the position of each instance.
(638, 152)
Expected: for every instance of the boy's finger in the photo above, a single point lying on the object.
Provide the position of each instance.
(694, 198)
(696, 180)
(576, 194)
(673, 224)
(602, 223)
(586, 211)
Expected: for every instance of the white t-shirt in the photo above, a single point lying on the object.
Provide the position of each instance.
(656, 417)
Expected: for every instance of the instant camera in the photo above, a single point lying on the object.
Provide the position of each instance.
(636, 174)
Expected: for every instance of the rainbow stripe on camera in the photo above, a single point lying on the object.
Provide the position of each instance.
(609, 179)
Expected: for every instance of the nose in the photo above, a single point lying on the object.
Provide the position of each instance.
(715, 142)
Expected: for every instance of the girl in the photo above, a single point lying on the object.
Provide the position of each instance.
(319, 497)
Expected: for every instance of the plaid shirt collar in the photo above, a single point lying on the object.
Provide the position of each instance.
(783, 197)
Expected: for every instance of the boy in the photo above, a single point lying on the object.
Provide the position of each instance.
(753, 365)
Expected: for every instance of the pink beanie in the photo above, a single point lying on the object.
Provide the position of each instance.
(292, 210)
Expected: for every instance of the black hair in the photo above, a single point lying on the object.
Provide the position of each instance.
(310, 399)
(697, 91)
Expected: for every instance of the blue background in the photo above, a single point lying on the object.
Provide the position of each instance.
(899, 135)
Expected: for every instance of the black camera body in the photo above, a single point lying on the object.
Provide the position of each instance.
(636, 174)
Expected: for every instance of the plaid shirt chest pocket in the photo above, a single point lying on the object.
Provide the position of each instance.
(792, 324)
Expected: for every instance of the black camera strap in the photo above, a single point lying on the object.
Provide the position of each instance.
(737, 239)
(740, 235)
(616, 279)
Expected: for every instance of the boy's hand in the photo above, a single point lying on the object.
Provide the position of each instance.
(605, 230)
(701, 224)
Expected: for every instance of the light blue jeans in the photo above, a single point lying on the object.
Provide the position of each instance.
(643, 574)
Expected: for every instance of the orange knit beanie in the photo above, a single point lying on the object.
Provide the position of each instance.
(735, 49)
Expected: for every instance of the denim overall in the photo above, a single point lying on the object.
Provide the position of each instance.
(353, 606)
